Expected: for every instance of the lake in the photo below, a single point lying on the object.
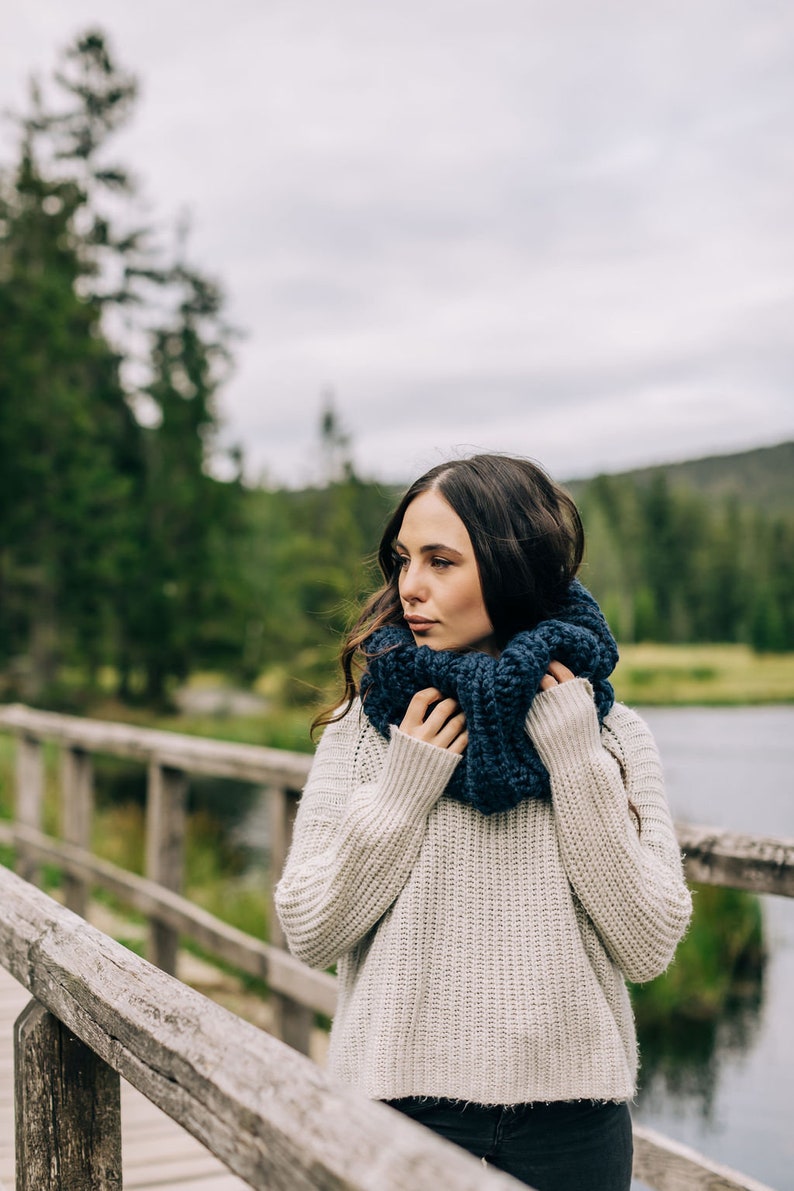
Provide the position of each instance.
(734, 768)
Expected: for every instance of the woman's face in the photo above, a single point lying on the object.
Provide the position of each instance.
(439, 582)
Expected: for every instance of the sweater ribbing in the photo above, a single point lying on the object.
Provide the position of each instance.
(481, 958)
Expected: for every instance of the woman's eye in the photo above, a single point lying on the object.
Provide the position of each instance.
(400, 561)
(441, 564)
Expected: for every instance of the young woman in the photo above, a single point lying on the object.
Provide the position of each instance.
(483, 844)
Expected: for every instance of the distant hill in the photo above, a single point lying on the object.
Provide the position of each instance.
(763, 477)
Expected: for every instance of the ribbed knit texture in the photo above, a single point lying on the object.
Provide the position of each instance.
(482, 957)
(501, 765)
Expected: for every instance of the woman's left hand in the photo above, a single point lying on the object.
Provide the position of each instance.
(555, 674)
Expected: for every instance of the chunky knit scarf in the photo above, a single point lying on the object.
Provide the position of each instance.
(500, 766)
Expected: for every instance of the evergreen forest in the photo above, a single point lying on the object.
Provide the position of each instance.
(133, 554)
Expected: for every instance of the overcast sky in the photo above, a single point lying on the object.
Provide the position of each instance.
(561, 228)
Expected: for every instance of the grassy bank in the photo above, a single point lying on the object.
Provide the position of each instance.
(653, 675)
(709, 675)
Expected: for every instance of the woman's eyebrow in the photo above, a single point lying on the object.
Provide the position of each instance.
(429, 549)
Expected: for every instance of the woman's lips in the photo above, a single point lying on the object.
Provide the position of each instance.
(418, 624)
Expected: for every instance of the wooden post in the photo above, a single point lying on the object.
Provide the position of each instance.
(667, 1165)
(30, 797)
(68, 1109)
(77, 807)
(166, 804)
(292, 1023)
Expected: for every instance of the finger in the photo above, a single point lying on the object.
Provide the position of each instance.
(452, 729)
(438, 716)
(417, 709)
(459, 743)
(442, 725)
(560, 672)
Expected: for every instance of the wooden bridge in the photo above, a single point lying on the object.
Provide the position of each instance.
(123, 1073)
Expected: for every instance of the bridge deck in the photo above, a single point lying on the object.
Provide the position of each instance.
(156, 1152)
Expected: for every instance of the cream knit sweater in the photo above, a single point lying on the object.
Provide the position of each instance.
(482, 957)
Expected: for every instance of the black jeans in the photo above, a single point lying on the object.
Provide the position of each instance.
(563, 1146)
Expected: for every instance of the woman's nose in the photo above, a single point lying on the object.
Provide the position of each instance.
(411, 586)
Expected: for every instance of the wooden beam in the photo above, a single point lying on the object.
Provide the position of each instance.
(292, 1021)
(282, 972)
(270, 1114)
(166, 824)
(29, 795)
(757, 863)
(668, 1165)
(193, 754)
(77, 808)
(67, 1109)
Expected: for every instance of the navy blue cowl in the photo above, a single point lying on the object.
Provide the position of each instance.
(500, 766)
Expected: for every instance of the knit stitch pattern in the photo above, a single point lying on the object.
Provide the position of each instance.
(501, 765)
(482, 957)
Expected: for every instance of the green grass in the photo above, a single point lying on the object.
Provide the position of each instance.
(705, 675)
(723, 947)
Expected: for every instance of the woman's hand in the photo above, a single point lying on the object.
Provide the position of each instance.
(444, 725)
(556, 674)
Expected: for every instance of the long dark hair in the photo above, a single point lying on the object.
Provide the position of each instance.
(527, 537)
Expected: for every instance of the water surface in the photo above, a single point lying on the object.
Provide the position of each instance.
(732, 768)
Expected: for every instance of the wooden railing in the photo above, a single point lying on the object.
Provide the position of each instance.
(170, 758)
(297, 992)
(270, 1114)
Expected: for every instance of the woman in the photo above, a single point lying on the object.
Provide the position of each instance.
(483, 843)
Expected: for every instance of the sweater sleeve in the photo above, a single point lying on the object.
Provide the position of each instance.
(354, 844)
(630, 881)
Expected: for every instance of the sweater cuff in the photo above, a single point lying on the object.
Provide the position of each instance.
(416, 773)
(563, 723)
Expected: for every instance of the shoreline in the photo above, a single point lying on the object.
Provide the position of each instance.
(653, 675)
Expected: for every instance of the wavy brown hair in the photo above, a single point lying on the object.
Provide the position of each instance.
(527, 537)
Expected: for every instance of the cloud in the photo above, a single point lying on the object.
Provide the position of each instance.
(560, 228)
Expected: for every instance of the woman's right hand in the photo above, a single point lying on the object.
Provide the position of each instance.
(444, 725)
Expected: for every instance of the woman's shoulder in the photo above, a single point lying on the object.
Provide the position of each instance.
(349, 730)
(345, 720)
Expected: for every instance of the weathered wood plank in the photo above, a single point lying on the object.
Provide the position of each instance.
(668, 1165)
(29, 795)
(269, 1113)
(68, 1122)
(193, 754)
(77, 808)
(166, 811)
(758, 863)
(216, 1181)
(292, 1021)
(282, 972)
(147, 1132)
(282, 807)
(148, 1135)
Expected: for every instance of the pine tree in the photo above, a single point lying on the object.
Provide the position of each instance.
(190, 519)
(60, 486)
(103, 519)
